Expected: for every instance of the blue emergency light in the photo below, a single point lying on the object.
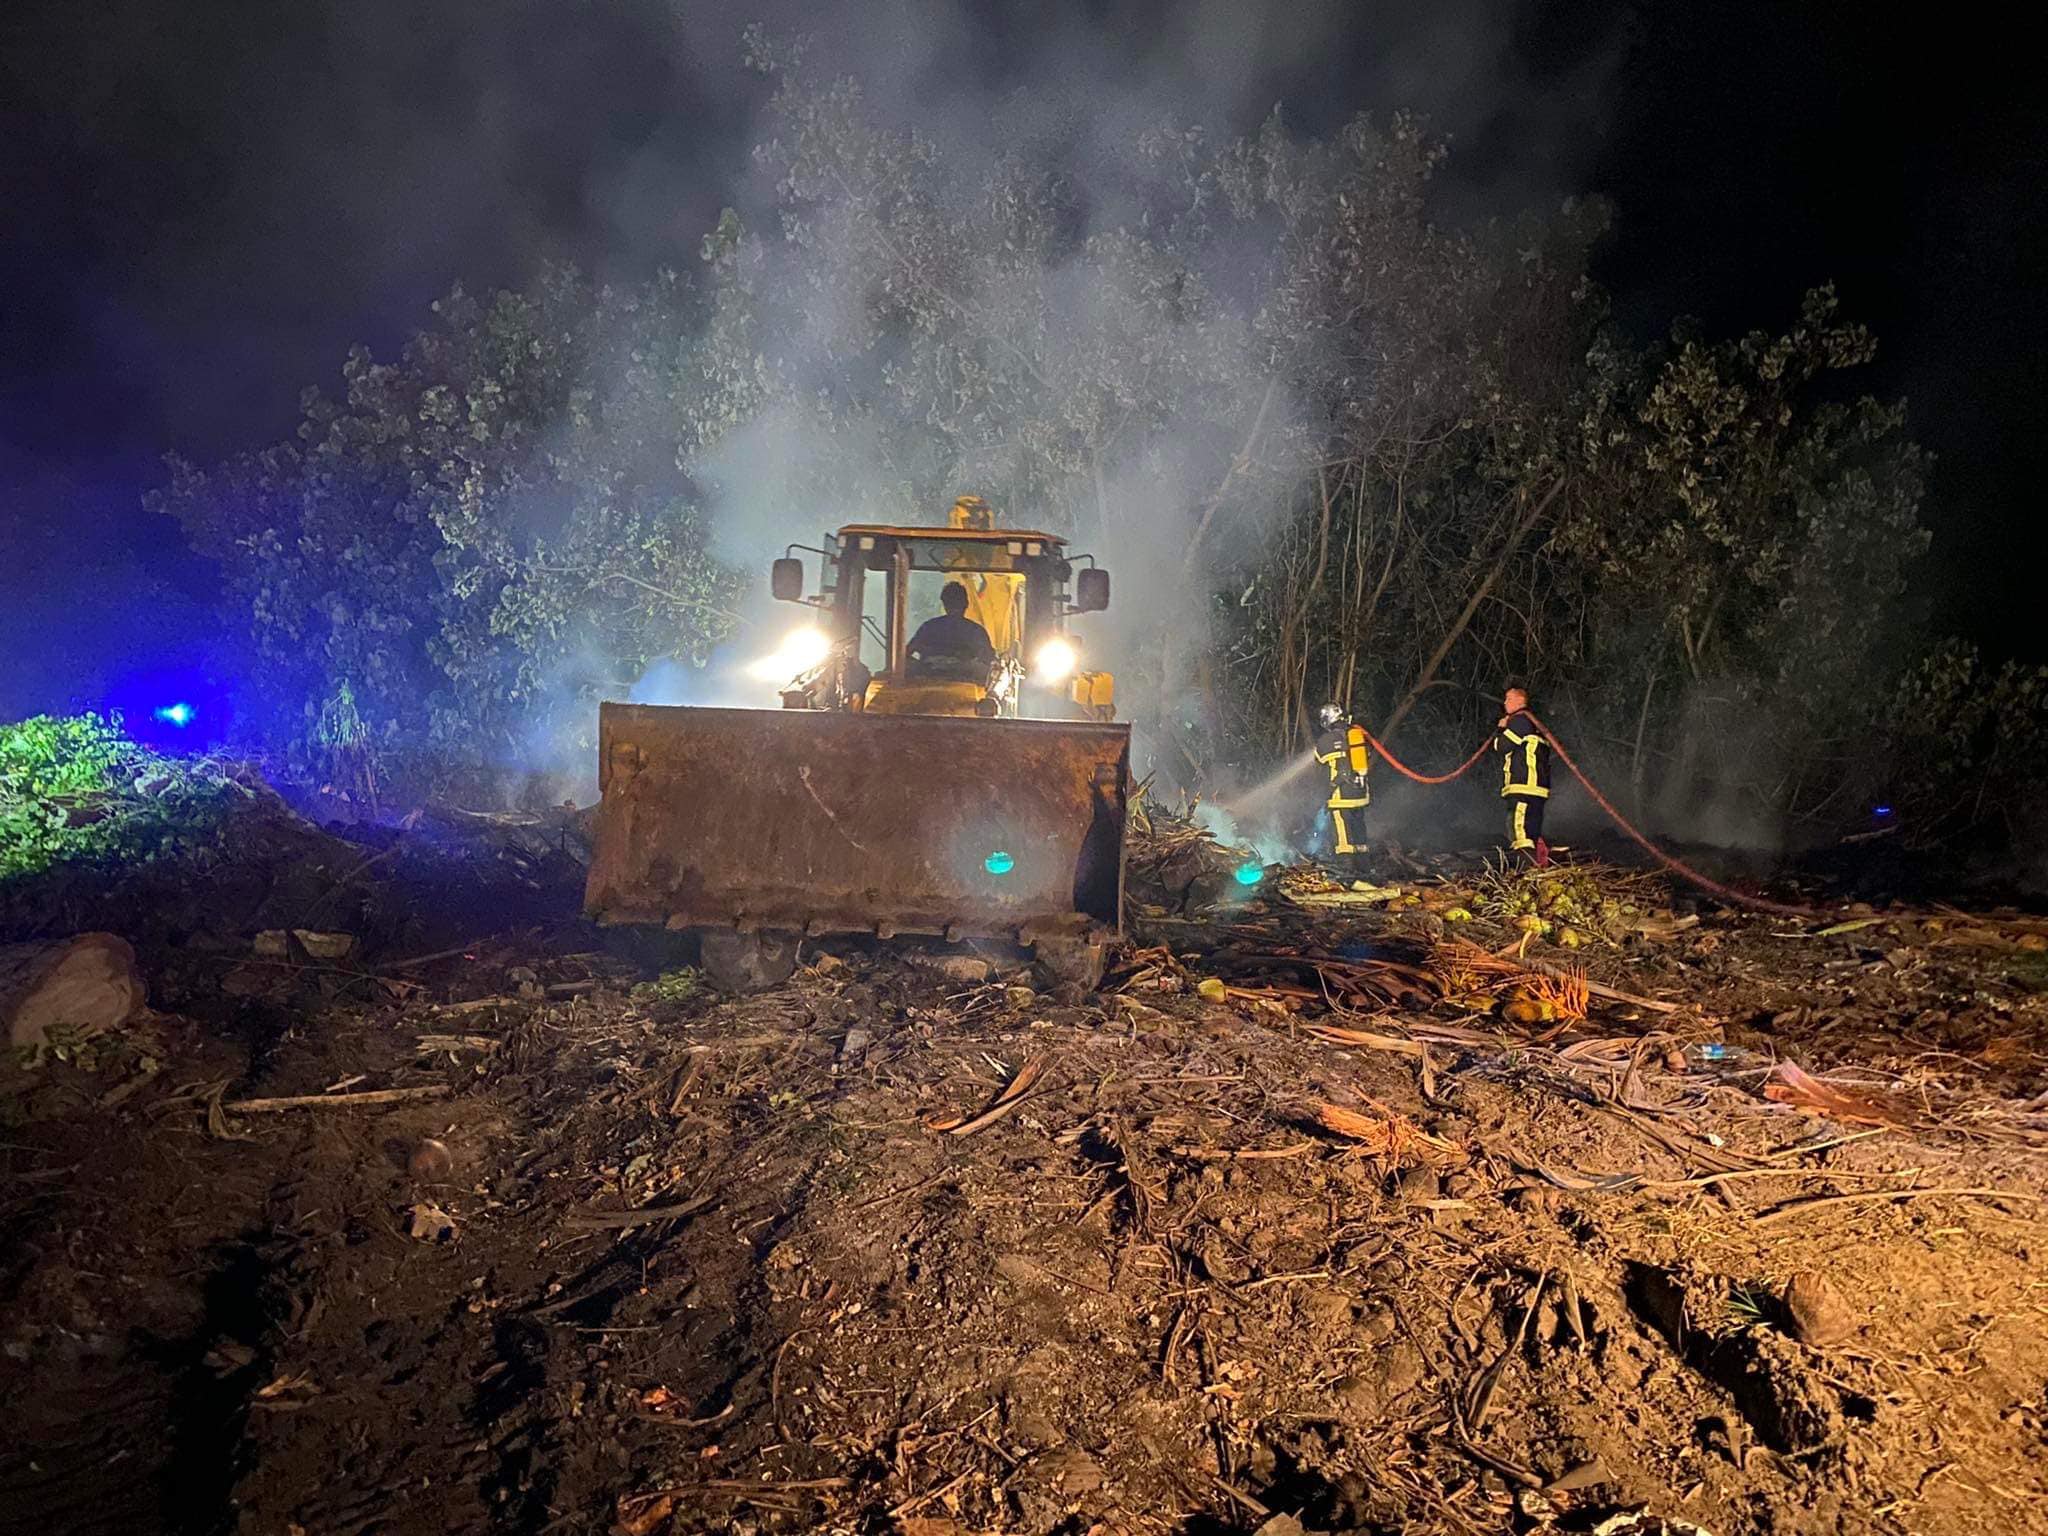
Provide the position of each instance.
(1250, 872)
(999, 863)
(179, 714)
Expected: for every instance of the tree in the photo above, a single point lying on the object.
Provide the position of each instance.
(1164, 351)
(1965, 743)
(1752, 540)
(472, 540)
(1333, 447)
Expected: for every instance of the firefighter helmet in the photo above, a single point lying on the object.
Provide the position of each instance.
(1330, 715)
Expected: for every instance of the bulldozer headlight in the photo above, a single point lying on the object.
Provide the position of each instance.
(1251, 872)
(802, 649)
(1055, 661)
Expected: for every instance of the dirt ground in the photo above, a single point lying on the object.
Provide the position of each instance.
(1384, 1238)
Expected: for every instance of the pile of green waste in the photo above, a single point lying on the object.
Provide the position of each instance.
(1571, 904)
(76, 789)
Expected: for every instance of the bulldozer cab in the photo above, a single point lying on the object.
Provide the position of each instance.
(882, 582)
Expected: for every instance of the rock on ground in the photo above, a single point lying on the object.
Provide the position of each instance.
(88, 984)
(1819, 1314)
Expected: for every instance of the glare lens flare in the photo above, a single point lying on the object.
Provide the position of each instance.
(802, 649)
(178, 714)
(1055, 661)
(1251, 872)
(999, 863)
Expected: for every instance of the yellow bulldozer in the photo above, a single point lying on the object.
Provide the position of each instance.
(902, 788)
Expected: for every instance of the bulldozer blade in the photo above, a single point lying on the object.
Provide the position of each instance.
(816, 822)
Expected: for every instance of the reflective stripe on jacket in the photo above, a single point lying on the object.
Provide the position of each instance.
(1524, 763)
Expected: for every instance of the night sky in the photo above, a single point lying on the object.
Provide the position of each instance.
(206, 203)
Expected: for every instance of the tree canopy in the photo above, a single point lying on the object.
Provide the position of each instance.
(1335, 447)
(475, 538)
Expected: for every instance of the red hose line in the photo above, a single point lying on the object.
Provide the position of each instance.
(1677, 866)
(1400, 767)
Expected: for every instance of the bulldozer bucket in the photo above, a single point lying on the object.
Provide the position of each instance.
(819, 822)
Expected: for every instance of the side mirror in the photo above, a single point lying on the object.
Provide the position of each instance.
(1091, 590)
(786, 580)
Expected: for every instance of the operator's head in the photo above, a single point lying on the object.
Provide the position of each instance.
(1515, 701)
(954, 599)
(1329, 715)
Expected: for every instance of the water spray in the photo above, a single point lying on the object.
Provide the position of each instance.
(1270, 786)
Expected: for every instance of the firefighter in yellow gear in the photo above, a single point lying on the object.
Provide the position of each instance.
(1524, 777)
(1340, 747)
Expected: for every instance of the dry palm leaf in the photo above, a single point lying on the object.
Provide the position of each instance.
(1390, 1139)
(1791, 1085)
(1012, 1095)
(1337, 1034)
(1566, 992)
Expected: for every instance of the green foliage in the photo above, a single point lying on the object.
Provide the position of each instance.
(677, 986)
(1750, 1306)
(341, 725)
(1570, 897)
(343, 739)
(1700, 542)
(475, 538)
(1969, 745)
(1767, 528)
(64, 1043)
(75, 789)
(1334, 448)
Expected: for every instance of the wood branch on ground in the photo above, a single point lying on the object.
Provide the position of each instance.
(368, 1099)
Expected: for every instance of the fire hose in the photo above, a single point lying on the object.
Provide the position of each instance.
(1675, 865)
(1400, 767)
